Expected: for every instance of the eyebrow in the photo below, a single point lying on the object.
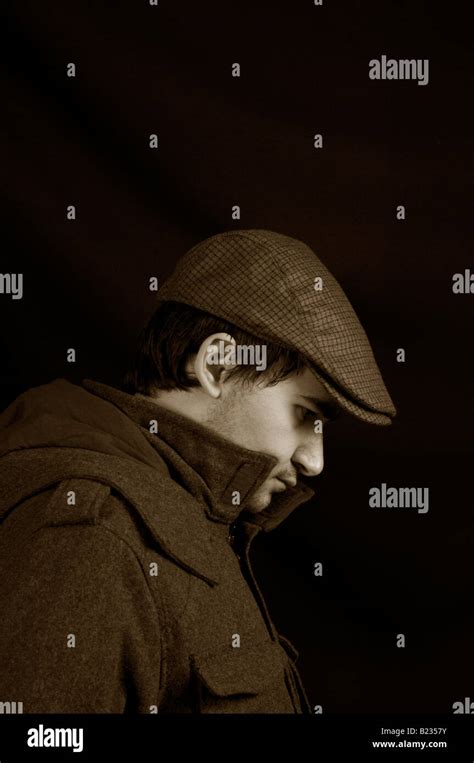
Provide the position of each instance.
(329, 410)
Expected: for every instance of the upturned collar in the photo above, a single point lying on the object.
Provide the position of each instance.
(223, 476)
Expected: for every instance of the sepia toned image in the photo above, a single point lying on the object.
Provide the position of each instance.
(139, 506)
(236, 383)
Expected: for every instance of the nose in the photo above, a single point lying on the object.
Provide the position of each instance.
(308, 457)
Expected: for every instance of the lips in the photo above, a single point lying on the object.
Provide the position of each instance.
(288, 483)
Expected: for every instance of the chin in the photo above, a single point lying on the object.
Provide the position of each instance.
(260, 502)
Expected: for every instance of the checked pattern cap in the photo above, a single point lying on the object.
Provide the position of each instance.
(263, 282)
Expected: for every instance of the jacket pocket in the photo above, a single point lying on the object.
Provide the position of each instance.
(298, 687)
(250, 679)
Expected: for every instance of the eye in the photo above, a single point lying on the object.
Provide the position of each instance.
(306, 413)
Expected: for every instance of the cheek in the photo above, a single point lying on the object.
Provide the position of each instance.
(274, 430)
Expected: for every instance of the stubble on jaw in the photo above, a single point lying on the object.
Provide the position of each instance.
(222, 417)
(260, 501)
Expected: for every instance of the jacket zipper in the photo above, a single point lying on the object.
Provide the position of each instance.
(242, 555)
(244, 560)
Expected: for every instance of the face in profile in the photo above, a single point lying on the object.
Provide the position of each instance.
(279, 421)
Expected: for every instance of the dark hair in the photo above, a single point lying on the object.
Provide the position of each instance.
(175, 331)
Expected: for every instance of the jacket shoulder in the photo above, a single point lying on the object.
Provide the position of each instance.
(70, 502)
(144, 504)
(76, 501)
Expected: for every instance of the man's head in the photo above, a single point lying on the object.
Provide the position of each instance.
(248, 288)
(189, 362)
(276, 288)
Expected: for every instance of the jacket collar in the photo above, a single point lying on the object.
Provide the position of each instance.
(190, 468)
(210, 467)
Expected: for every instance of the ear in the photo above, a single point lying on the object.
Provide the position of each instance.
(209, 366)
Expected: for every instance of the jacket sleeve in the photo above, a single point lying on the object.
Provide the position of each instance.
(80, 630)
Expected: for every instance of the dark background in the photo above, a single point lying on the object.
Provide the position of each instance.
(249, 141)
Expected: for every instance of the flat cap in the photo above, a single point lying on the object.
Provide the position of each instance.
(266, 283)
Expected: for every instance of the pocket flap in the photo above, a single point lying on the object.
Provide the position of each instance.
(240, 670)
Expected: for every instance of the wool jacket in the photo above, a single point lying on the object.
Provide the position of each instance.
(126, 583)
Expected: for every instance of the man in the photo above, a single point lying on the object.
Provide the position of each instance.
(128, 514)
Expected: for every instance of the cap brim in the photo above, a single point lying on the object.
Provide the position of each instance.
(351, 406)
